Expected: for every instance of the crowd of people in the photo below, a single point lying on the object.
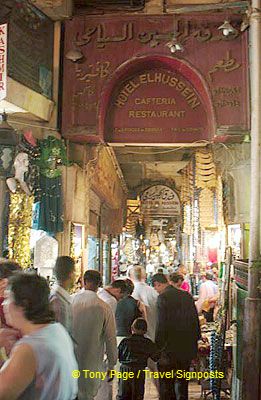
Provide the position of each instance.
(60, 346)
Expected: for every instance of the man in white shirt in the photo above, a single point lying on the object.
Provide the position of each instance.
(208, 293)
(113, 293)
(147, 295)
(60, 298)
(95, 332)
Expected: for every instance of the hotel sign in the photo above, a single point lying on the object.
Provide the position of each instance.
(159, 103)
(160, 201)
(128, 88)
(3, 61)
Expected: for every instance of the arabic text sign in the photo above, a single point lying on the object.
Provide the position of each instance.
(3, 60)
(111, 42)
(160, 200)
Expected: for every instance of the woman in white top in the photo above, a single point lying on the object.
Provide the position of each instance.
(41, 362)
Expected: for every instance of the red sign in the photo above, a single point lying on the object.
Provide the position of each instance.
(129, 80)
(3, 60)
(156, 103)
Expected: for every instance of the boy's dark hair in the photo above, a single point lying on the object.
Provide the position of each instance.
(92, 276)
(120, 284)
(7, 268)
(129, 287)
(160, 271)
(64, 266)
(175, 277)
(160, 278)
(31, 292)
(139, 325)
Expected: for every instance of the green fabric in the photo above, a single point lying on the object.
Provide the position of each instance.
(51, 205)
(52, 155)
(241, 296)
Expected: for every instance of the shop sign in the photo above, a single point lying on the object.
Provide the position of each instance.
(160, 201)
(158, 104)
(3, 60)
(30, 49)
(109, 86)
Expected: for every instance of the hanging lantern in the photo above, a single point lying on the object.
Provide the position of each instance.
(8, 143)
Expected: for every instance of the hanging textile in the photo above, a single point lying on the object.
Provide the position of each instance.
(52, 156)
(51, 205)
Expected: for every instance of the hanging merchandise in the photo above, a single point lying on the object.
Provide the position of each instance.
(20, 220)
(228, 195)
(129, 250)
(220, 215)
(187, 227)
(20, 212)
(206, 207)
(72, 244)
(205, 170)
(25, 189)
(187, 184)
(52, 156)
(140, 230)
(161, 235)
(29, 146)
(154, 239)
(196, 225)
(51, 205)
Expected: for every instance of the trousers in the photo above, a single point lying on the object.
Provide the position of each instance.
(131, 389)
(173, 388)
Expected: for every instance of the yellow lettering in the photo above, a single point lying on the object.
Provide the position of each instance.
(179, 374)
(173, 81)
(194, 103)
(187, 91)
(157, 77)
(143, 78)
(129, 88)
(180, 86)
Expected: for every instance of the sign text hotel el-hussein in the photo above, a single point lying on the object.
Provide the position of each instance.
(151, 101)
(159, 103)
(3, 60)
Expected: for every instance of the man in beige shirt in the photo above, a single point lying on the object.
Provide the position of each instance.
(94, 331)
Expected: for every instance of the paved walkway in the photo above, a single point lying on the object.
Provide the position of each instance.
(151, 392)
